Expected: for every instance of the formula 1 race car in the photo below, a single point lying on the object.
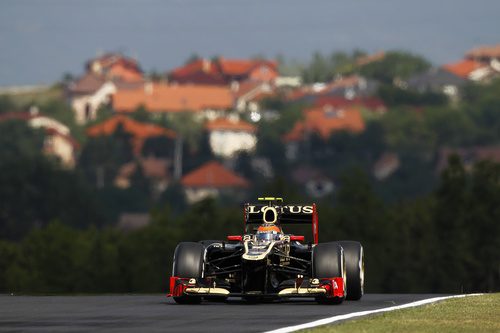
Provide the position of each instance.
(267, 264)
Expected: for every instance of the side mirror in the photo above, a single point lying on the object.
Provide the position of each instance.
(236, 238)
(297, 238)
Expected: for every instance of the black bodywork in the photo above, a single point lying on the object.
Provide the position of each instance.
(278, 270)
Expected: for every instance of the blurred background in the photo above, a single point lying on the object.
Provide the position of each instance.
(129, 126)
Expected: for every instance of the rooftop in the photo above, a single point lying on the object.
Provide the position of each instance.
(160, 97)
(139, 131)
(463, 68)
(213, 175)
(326, 120)
(488, 51)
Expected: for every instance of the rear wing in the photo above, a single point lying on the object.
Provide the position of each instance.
(276, 212)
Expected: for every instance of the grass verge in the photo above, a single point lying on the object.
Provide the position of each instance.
(467, 314)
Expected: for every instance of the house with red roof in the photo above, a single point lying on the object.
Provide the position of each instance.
(222, 71)
(227, 136)
(211, 180)
(103, 76)
(208, 101)
(469, 69)
(58, 141)
(248, 94)
(479, 64)
(139, 131)
(485, 54)
(116, 66)
(322, 121)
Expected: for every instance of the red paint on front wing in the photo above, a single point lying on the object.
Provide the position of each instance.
(177, 286)
(334, 287)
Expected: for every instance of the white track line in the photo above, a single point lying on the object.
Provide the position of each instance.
(363, 313)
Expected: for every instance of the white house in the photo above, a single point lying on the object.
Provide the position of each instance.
(57, 141)
(227, 136)
(87, 94)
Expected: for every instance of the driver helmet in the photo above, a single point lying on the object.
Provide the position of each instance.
(268, 233)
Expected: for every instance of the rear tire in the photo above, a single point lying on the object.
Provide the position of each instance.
(354, 259)
(328, 262)
(188, 263)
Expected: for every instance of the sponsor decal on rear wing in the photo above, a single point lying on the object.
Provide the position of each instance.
(273, 213)
(301, 214)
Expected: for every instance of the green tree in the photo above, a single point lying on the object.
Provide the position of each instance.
(102, 157)
(141, 114)
(451, 228)
(395, 65)
(483, 229)
(6, 104)
(394, 96)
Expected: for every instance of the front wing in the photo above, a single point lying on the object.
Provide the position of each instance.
(327, 287)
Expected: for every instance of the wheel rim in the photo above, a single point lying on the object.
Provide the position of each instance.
(362, 271)
(344, 275)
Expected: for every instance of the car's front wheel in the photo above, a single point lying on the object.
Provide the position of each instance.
(188, 263)
(327, 262)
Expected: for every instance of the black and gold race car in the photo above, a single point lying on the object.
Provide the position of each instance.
(266, 263)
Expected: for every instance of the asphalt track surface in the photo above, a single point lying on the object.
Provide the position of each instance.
(156, 313)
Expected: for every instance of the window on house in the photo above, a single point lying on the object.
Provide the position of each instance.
(88, 111)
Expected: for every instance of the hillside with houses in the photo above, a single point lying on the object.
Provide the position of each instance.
(116, 148)
(257, 124)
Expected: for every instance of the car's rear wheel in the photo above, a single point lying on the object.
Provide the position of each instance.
(327, 262)
(188, 263)
(355, 266)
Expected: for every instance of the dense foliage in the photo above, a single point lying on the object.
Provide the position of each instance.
(444, 242)
(424, 229)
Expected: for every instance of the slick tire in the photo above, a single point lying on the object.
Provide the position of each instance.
(188, 263)
(328, 261)
(355, 266)
(208, 242)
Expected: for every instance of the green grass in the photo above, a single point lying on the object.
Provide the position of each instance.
(37, 97)
(468, 314)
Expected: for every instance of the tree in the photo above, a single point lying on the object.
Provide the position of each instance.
(360, 215)
(102, 157)
(6, 104)
(140, 114)
(58, 109)
(192, 58)
(395, 65)
(451, 227)
(394, 96)
(483, 228)
(185, 125)
(158, 146)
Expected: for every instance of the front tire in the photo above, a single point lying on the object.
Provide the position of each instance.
(188, 263)
(328, 261)
(354, 259)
